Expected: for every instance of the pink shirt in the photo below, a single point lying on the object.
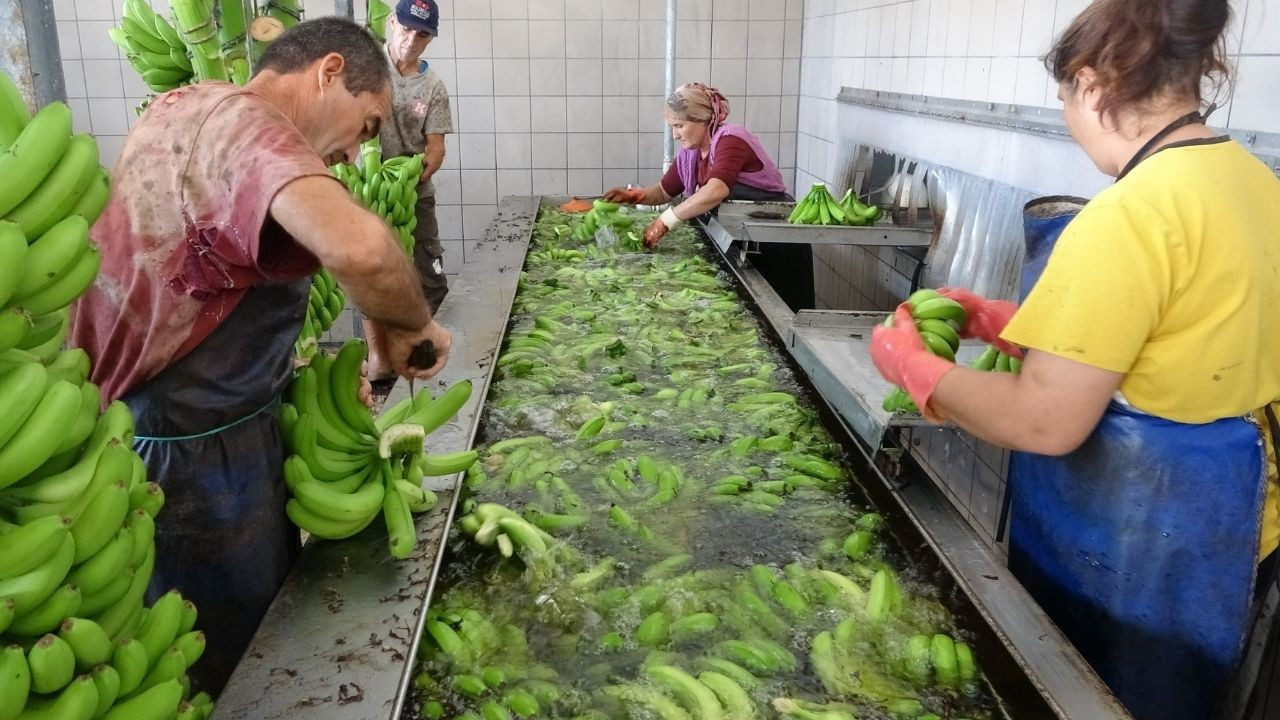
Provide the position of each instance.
(187, 229)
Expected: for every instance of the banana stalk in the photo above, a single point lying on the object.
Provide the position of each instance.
(200, 33)
(233, 39)
(377, 13)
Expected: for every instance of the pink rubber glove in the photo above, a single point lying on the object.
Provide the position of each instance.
(654, 233)
(626, 196)
(987, 318)
(901, 357)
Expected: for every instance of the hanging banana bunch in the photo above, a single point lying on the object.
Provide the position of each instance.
(153, 47)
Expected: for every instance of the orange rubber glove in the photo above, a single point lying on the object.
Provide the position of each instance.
(986, 320)
(654, 233)
(626, 196)
(901, 357)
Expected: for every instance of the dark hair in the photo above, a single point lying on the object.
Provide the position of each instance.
(303, 44)
(1143, 48)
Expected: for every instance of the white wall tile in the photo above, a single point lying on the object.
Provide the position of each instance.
(1261, 21)
(446, 68)
(618, 177)
(479, 187)
(1257, 87)
(620, 115)
(448, 182)
(546, 9)
(693, 70)
(1037, 31)
(729, 39)
(786, 150)
(547, 77)
(621, 77)
(793, 38)
(549, 181)
(95, 10)
(476, 219)
(960, 13)
(509, 9)
(1031, 84)
(511, 77)
(515, 182)
(767, 9)
(977, 78)
(584, 77)
(583, 39)
(1004, 80)
(934, 70)
(95, 44)
(583, 9)
(102, 78)
(764, 77)
(763, 114)
(729, 76)
(653, 39)
(69, 40)
(467, 10)
(80, 122)
(73, 76)
(477, 151)
(652, 77)
(511, 114)
(791, 76)
(510, 39)
(693, 9)
(64, 10)
(475, 114)
(472, 38)
(451, 153)
(982, 27)
(765, 38)
(1066, 11)
(693, 39)
(450, 219)
(549, 150)
(585, 182)
(546, 39)
(585, 114)
(649, 149)
(475, 77)
(515, 150)
(730, 10)
(790, 111)
(108, 116)
(619, 150)
(109, 147)
(1007, 33)
(620, 10)
(621, 39)
(548, 114)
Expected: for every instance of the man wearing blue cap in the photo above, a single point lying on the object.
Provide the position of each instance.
(419, 120)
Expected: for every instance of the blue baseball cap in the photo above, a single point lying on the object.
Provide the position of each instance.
(421, 15)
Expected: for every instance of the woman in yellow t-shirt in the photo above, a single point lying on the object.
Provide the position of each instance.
(1140, 501)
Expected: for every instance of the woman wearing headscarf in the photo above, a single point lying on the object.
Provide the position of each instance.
(717, 161)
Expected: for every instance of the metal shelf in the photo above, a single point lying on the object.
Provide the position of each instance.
(880, 234)
(832, 348)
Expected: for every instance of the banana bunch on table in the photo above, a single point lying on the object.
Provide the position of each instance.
(153, 47)
(818, 207)
(346, 467)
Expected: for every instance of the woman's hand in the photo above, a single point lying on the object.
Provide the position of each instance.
(986, 318)
(901, 357)
(626, 196)
(654, 233)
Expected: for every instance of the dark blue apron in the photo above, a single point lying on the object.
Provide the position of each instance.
(1142, 544)
(208, 430)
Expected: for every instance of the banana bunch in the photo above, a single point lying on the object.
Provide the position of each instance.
(939, 320)
(605, 214)
(346, 468)
(325, 300)
(994, 360)
(153, 47)
(820, 208)
(492, 524)
(388, 188)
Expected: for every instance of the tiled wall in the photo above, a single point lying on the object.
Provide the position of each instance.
(549, 96)
(985, 50)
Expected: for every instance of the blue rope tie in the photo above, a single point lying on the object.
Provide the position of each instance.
(274, 401)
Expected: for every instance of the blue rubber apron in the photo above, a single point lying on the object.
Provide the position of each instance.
(1142, 544)
(208, 429)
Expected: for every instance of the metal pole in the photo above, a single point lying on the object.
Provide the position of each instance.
(29, 51)
(668, 142)
(345, 8)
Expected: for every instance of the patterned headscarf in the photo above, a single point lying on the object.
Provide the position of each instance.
(695, 102)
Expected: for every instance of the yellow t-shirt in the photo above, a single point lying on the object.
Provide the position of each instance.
(1172, 276)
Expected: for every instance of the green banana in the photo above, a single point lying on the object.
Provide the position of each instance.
(61, 292)
(30, 590)
(60, 190)
(344, 377)
(734, 700)
(52, 664)
(15, 675)
(46, 617)
(940, 308)
(157, 703)
(653, 630)
(94, 199)
(89, 643)
(359, 505)
(442, 408)
(129, 658)
(21, 391)
(14, 250)
(100, 521)
(161, 625)
(34, 154)
(440, 464)
(402, 535)
(107, 682)
(31, 545)
(13, 115)
(95, 573)
(53, 254)
(78, 700)
(697, 698)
